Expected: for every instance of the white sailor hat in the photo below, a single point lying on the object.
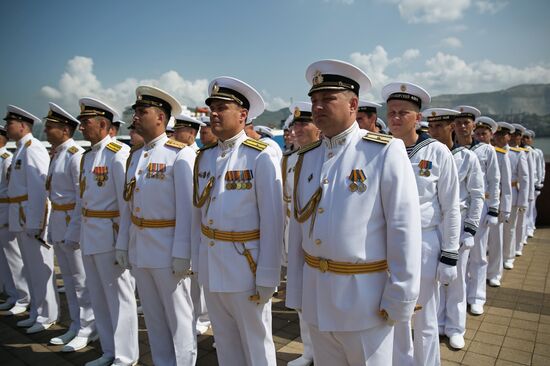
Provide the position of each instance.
(235, 90)
(505, 126)
(530, 133)
(119, 122)
(468, 111)
(57, 114)
(170, 124)
(519, 128)
(205, 120)
(91, 107)
(150, 96)
(264, 130)
(368, 107)
(406, 91)
(423, 126)
(486, 122)
(20, 115)
(381, 124)
(184, 120)
(3, 131)
(440, 114)
(336, 75)
(301, 112)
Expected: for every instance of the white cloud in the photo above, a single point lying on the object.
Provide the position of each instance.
(79, 81)
(411, 54)
(273, 103)
(431, 11)
(451, 42)
(445, 73)
(490, 6)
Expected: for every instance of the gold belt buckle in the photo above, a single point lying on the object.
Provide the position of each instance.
(323, 265)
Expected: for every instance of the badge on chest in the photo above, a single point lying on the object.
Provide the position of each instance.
(156, 171)
(424, 166)
(238, 179)
(357, 178)
(101, 175)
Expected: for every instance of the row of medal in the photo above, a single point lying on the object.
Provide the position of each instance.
(358, 178)
(238, 179)
(156, 170)
(424, 166)
(101, 174)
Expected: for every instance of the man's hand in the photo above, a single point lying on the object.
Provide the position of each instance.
(122, 259)
(181, 267)
(446, 273)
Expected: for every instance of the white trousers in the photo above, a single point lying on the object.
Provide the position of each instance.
(495, 246)
(242, 329)
(38, 267)
(306, 338)
(477, 265)
(531, 214)
(521, 234)
(114, 307)
(168, 311)
(76, 291)
(509, 236)
(199, 303)
(424, 349)
(451, 313)
(11, 262)
(371, 346)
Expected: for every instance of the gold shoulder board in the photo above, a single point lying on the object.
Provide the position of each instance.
(174, 143)
(500, 150)
(28, 143)
(377, 137)
(209, 146)
(136, 147)
(5, 155)
(114, 147)
(516, 149)
(309, 147)
(73, 149)
(255, 144)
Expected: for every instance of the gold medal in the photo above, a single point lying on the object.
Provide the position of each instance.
(427, 173)
(353, 187)
(228, 186)
(233, 185)
(362, 187)
(99, 183)
(248, 185)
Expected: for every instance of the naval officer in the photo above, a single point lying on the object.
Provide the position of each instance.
(28, 218)
(62, 184)
(367, 115)
(186, 129)
(237, 193)
(155, 230)
(99, 202)
(354, 242)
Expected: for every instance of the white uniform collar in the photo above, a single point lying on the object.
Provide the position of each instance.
(102, 143)
(3, 149)
(341, 138)
(231, 142)
(24, 139)
(64, 145)
(155, 141)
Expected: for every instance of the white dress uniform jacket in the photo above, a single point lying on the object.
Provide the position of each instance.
(287, 169)
(489, 165)
(378, 222)
(275, 146)
(519, 177)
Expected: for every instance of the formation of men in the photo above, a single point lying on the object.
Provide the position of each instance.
(380, 233)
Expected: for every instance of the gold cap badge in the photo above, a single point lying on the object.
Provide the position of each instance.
(317, 78)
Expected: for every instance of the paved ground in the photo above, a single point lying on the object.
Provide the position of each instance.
(515, 329)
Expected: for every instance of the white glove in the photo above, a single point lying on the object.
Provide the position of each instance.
(446, 273)
(181, 267)
(503, 217)
(265, 294)
(72, 245)
(490, 220)
(122, 259)
(33, 232)
(466, 240)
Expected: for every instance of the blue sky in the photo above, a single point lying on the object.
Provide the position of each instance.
(60, 50)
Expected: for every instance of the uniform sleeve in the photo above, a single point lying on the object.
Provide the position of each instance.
(123, 237)
(73, 230)
(119, 176)
(38, 162)
(493, 180)
(183, 180)
(523, 180)
(401, 207)
(505, 184)
(532, 172)
(448, 193)
(295, 266)
(269, 195)
(476, 193)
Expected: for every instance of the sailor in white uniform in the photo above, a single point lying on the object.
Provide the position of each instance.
(355, 221)
(495, 243)
(265, 134)
(438, 189)
(186, 129)
(305, 133)
(237, 250)
(28, 218)
(541, 174)
(62, 184)
(367, 115)
(155, 230)
(100, 201)
(531, 166)
(452, 300)
(527, 141)
(477, 265)
(11, 263)
(115, 128)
